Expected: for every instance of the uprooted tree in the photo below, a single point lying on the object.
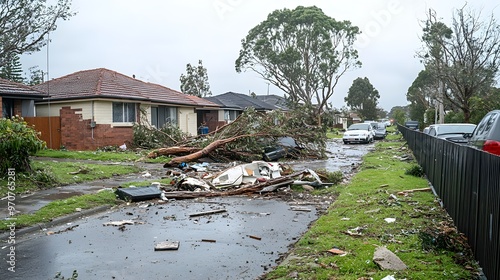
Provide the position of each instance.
(247, 136)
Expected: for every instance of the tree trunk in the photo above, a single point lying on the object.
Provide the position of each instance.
(172, 151)
(205, 151)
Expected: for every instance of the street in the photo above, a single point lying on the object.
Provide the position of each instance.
(245, 238)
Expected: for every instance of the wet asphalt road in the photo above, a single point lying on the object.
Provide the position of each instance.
(108, 252)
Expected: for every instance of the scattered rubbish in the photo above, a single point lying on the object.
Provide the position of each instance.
(119, 223)
(336, 251)
(372, 211)
(123, 147)
(406, 192)
(357, 231)
(167, 245)
(78, 209)
(345, 219)
(207, 212)
(156, 184)
(247, 173)
(192, 184)
(80, 171)
(384, 186)
(255, 237)
(389, 277)
(145, 205)
(170, 218)
(146, 174)
(300, 208)
(138, 194)
(60, 231)
(200, 167)
(208, 240)
(105, 190)
(387, 260)
(390, 220)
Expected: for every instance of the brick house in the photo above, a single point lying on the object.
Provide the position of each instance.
(98, 107)
(17, 99)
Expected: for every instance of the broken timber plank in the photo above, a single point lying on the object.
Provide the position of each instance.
(167, 245)
(414, 190)
(207, 212)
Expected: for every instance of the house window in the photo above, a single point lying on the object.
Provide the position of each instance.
(230, 115)
(7, 108)
(162, 115)
(124, 112)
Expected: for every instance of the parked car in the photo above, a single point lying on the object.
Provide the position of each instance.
(359, 133)
(453, 132)
(374, 124)
(486, 136)
(281, 148)
(380, 131)
(412, 125)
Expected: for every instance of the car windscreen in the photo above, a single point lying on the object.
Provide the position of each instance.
(450, 129)
(359, 126)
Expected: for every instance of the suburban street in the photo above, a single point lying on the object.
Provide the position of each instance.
(239, 237)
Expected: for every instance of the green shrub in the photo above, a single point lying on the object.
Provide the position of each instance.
(415, 170)
(17, 142)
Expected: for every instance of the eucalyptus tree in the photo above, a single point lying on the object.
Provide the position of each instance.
(195, 81)
(25, 23)
(303, 52)
(464, 57)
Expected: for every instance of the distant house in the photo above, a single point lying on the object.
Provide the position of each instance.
(279, 102)
(232, 104)
(98, 107)
(18, 99)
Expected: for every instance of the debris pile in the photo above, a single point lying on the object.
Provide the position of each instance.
(197, 181)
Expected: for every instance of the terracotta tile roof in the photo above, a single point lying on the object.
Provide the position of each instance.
(104, 83)
(9, 88)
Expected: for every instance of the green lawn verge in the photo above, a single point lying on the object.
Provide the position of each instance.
(62, 207)
(334, 134)
(90, 155)
(364, 203)
(120, 156)
(49, 174)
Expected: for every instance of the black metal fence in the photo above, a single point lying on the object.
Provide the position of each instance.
(468, 183)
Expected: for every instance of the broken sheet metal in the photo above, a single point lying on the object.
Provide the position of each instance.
(138, 193)
(248, 173)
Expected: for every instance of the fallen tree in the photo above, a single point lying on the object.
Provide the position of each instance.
(247, 137)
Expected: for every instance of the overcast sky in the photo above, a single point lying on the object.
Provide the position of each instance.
(155, 39)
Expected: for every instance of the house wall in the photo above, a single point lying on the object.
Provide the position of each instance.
(42, 110)
(1, 107)
(187, 120)
(77, 133)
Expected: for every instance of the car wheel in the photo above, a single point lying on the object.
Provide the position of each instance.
(346, 142)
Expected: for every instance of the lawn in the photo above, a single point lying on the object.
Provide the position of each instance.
(49, 174)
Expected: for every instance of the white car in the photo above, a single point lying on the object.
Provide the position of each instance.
(359, 133)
